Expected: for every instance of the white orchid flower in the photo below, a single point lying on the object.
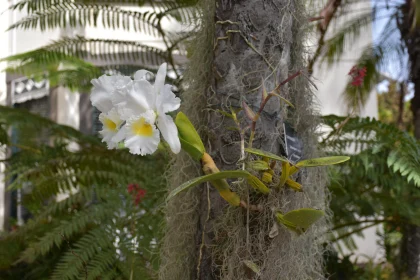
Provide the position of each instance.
(105, 87)
(111, 126)
(142, 106)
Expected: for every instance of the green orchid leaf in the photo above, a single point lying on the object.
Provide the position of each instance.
(191, 149)
(188, 136)
(285, 173)
(294, 185)
(287, 224)
(226, 114)
(300, 220)
(257, 184)
(258, 165)
(322, 161)
(207, 178)
(265, 154)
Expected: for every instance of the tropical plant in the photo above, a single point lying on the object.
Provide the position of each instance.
(205, 237)
(100, 211)
(90, 215)
(245, 55)
(396, 46)
(378, 186)
(72, 61)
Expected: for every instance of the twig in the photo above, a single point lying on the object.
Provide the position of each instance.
(315, 18)
(264, 102)
(360, 222)
(327, 13)
(355, 231)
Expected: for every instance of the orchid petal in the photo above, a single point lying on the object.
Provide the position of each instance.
(166, 101)
(137, 141)
(141, 75)
(169, 132)
(160, 79)
(138, 98)
(104, 88)
(111, 124)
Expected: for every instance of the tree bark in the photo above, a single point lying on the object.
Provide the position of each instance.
(255, 42)
(410, 251)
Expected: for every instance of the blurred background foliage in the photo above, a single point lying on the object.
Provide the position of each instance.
(81, 216)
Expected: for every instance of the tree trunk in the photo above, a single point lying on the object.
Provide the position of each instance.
(410, 251)
(251, 42)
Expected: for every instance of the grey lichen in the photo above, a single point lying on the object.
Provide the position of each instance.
(232, 55)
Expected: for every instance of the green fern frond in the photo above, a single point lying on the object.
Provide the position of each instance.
(94, 215)
(71, 14)
(93, 49)
(98, 241)
(403, 149)
(32, 6)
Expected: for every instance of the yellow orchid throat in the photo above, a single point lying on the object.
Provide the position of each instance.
(109, 124)
(142, 128)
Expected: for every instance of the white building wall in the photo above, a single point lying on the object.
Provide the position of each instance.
(331, 82)
(4, 51)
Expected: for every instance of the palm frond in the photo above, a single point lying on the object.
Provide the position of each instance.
(345, 36)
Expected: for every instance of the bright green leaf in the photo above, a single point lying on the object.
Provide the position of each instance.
(257, 184)
(258, 165)
(206, 178)
(265, 154)
(225, 114)
(188, 136)
(322, 161)
(301, 219)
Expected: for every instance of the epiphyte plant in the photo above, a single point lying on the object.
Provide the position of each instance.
(134, 114)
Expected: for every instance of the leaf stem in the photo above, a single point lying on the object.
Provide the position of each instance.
(360, 222)
(355, 231)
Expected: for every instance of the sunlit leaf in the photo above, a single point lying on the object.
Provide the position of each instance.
(207, 178)
(322, 161)
(285, 173)
(258, 165)
(300, 220)
(190, 140)
(257, 184)
(294, 185)
(265, 154)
